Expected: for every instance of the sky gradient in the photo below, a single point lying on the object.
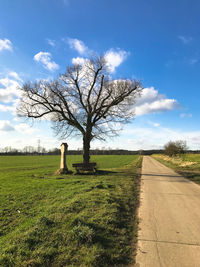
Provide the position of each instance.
(155, 41)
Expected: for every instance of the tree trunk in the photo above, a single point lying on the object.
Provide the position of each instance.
(86, 149)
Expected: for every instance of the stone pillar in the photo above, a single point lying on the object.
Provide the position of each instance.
(63, 165)
(63, 151)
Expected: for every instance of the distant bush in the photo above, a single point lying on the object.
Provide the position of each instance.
(175, 148)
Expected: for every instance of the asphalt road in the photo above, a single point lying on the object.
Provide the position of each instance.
(169, 215)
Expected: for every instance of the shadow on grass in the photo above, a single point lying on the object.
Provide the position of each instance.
(106, 172)
(97, 173)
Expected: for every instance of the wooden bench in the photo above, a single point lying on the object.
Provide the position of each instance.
(83, 167)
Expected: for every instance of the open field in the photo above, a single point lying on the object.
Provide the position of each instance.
(67, 220)
(187, 165)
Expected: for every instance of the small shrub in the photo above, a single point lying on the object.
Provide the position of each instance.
(175, 148)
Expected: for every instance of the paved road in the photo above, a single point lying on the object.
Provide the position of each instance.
(169, 215)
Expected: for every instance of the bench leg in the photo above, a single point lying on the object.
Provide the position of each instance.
(77, 171)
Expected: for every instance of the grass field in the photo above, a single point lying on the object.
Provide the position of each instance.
(187, 165)
(67, 220)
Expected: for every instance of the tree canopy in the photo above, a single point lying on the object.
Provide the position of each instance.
(85, 100)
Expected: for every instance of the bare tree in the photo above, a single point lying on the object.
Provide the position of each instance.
(28, 149)
(84, 100)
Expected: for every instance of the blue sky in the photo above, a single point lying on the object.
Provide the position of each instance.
(155, 41)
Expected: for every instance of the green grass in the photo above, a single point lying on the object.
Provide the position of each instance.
(187, 165)
(67, 220)
(193, 157)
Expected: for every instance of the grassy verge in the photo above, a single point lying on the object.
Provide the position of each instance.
(67, 220)
(187, 165)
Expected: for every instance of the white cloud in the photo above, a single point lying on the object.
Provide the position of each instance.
(155, 124)
(186, 115)
(51, 42)
(5, 108)
(185, 39)
(10, 90)
(79, 60)
(156, 106)
(115, 58)
(11, 107)
(78, 45)
(6, 126)
(25, 128)
(21, 128)
(14, 75)
(45, 59)
(152, 102)
(5, 44)
(17, 119)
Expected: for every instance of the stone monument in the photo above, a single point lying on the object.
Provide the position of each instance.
(63, 166)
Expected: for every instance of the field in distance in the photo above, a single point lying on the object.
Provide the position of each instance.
(187, 165)
(67, 220)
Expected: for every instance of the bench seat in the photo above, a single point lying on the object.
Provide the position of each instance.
(82, 167)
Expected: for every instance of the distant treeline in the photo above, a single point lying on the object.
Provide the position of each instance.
(56, 151)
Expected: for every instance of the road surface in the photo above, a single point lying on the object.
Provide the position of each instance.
(169, 218)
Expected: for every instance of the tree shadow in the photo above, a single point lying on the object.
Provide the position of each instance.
(161, 175)
(192, 175)
(170, 181)
(105, 172)
(172, 178)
